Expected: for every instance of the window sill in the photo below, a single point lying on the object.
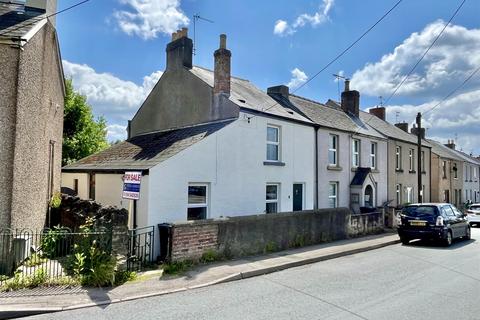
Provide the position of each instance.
(399, 170)
(374, 170)
(274, 163)
(424, 172)
(412, 171)
(334, 168)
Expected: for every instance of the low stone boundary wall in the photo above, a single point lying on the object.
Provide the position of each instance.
(257, 234)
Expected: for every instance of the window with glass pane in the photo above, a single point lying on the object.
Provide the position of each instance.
(444, 168)
(273, 143)
(399, 194)
(332, 150)
(356, 153)
(271, 197)
(197, 202)
(423, 161)
(411, 159)
(332, 194)
(373, 155)
(398, 158)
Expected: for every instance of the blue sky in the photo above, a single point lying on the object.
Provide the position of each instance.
(115, 51)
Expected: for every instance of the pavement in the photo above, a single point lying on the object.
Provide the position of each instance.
(153, 283)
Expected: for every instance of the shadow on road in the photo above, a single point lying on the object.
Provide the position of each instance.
(435, 245)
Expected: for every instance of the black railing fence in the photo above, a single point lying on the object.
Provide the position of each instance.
(140, 248)
(47, 254)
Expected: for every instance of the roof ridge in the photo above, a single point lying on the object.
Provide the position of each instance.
(206, 69)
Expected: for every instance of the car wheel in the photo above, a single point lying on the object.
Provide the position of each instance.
(468, 233)
(404, 240)
(449, 239)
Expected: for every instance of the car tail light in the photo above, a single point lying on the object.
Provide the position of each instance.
(439, 221)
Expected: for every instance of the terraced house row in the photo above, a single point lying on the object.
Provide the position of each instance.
(211, 145)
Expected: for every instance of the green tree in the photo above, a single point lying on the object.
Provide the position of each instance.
(83, 135)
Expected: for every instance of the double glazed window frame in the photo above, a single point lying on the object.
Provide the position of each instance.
(411, 160)
(398, 158)
(333, 150)
(356, 147)
(196, 205)
(273, 143)
(269, 201)
(373, 155)
(333, 196)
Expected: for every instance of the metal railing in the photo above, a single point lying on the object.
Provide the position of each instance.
(140, 248)
(44, 254)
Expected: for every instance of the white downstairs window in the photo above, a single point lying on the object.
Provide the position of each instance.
(272, 198)
(333, 194)
(197, 201)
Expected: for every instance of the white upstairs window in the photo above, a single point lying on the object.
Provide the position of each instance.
(373, 155)
(333, 150)
(273, 143)
(355, 153)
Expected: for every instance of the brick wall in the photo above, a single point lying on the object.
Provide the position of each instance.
(191, 240)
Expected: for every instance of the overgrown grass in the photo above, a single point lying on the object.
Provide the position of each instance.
(210, 256)
(178, 267)
(122, 277)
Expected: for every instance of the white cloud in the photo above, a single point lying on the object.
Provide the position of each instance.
(148, 18)
(445, 66)
(298, 78)
(283, 28)
(116, 99)
(116, 132)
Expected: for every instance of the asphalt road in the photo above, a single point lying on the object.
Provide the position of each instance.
(419, 281)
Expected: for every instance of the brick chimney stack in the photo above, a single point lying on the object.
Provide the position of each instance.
(379, 112)
(180, 50)
(403, 126)
(450, 144)
(222, 68)
(350, 100)
(414, 131)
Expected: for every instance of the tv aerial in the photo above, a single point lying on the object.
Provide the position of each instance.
(196, 18)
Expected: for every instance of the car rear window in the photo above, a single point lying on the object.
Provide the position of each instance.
(420, 211)
(477, 207)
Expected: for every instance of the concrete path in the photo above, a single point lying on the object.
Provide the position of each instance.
(153, 283)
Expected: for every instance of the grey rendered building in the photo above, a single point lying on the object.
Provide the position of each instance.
(402, 159)
(31, 112)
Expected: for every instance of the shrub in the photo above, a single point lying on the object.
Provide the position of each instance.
(90, 262)
(51, 242)
(210, 256)
(20, 281)
(270, 247)
(56, 200)
(124, 276)
(177, 267)
(34, 260)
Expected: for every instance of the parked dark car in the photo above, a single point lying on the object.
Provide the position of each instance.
(432, 221)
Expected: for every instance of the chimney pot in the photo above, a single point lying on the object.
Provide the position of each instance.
(347, 85)
(180, 50)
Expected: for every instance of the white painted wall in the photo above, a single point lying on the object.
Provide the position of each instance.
(471, 182)
(345, 175)
(68, 181)
(231, 161)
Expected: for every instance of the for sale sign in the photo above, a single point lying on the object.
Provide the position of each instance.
(131, 185)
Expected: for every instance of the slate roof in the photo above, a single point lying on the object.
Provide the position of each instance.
(390, 130)
(244, 94)
(16, 20)
(145, 151)
(332, 116)
(445, 152)
(360, 176)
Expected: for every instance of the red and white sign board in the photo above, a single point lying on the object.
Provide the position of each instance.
(131, 185)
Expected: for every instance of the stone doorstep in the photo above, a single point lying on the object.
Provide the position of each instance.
(252, 267)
